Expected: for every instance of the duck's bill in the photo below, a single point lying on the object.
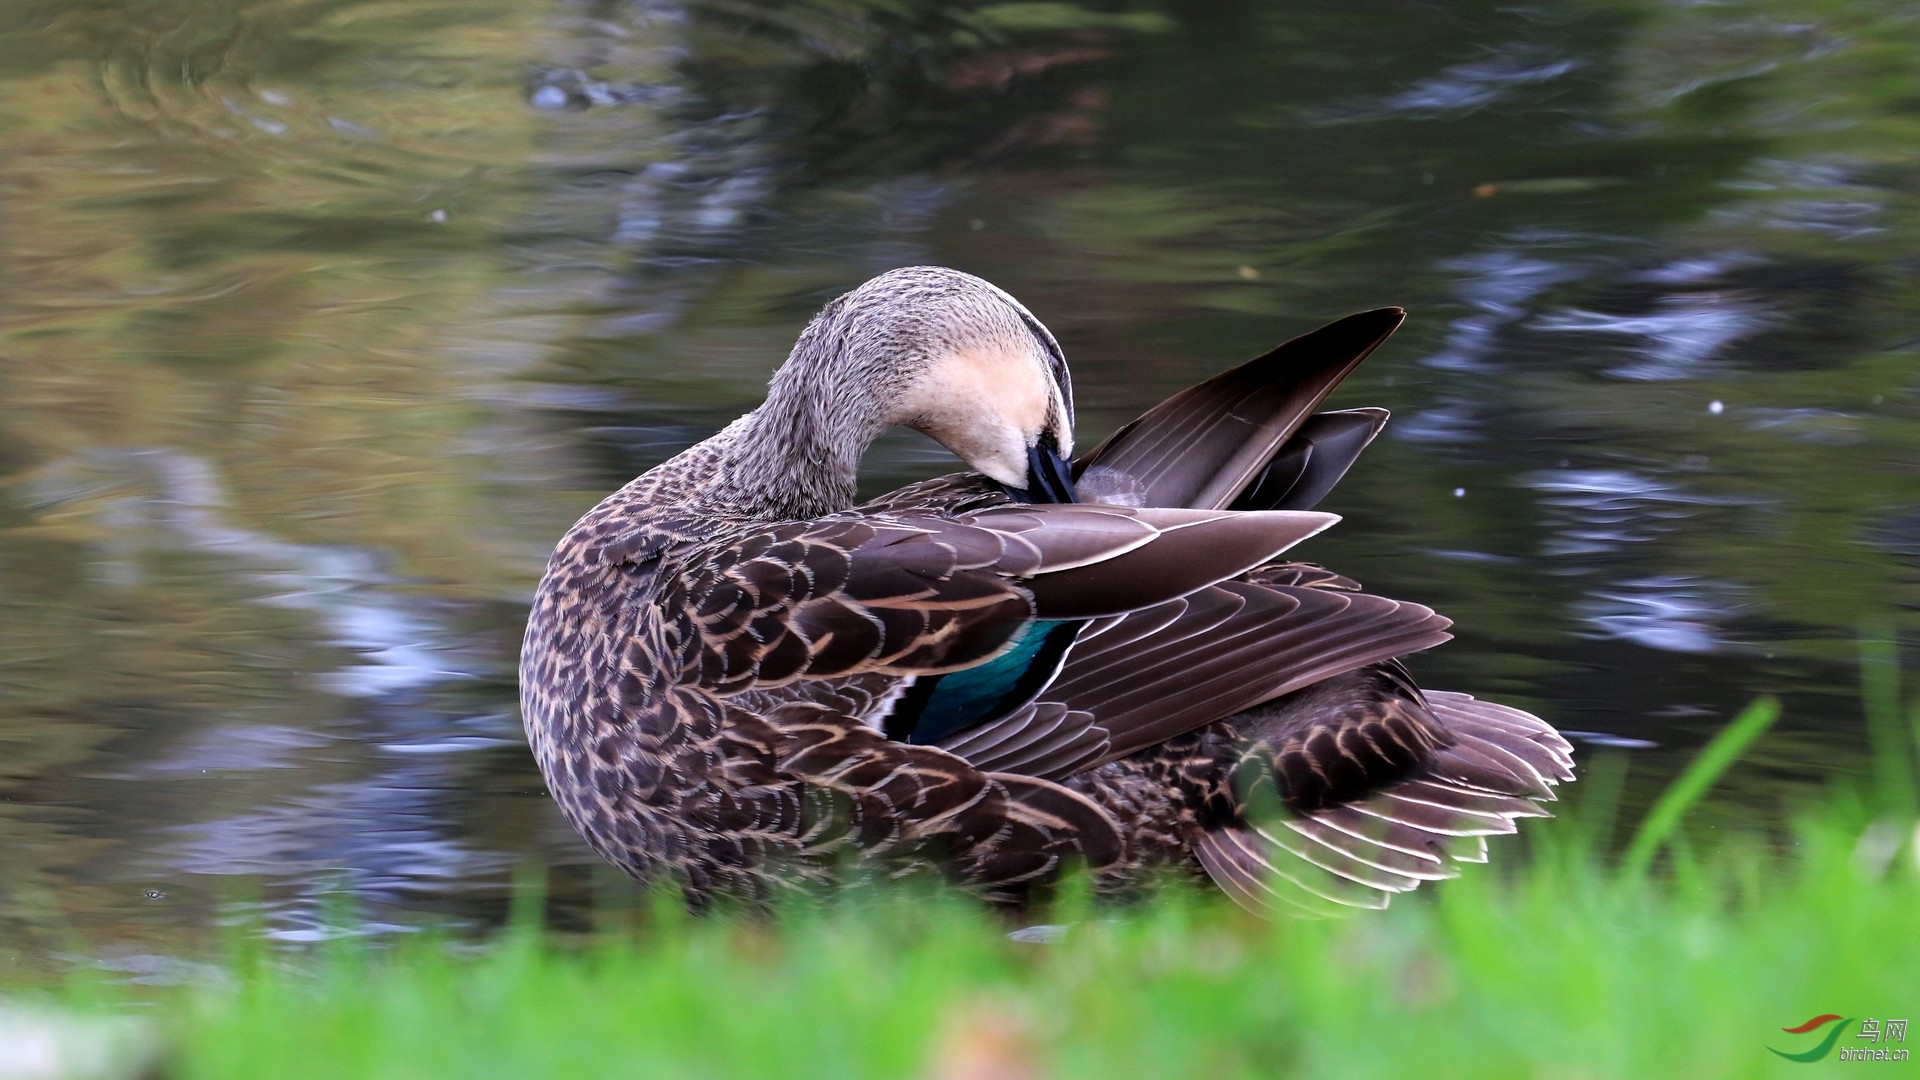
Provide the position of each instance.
(1049, 478)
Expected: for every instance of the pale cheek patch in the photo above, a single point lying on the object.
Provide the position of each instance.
(986, 405)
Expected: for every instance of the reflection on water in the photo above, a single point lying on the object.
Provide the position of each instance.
(1480, 83)
(322, 321)
(1679, 340)
(1673, 614)
(1597, 512)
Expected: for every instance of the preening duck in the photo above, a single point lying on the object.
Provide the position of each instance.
(736, 676)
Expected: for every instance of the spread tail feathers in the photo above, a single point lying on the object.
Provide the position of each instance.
(1500, 764)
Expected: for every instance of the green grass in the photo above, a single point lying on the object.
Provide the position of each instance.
(1893, 770)
(1553, 961)
(1693, 783)
(1554, 966)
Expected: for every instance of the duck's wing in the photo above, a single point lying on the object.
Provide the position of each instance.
(1189, 662)
(1042, 739)
(912, 595)
(1203, 446)
(1312, 460)
(1143, 678)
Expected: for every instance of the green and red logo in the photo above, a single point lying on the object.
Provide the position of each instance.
(1824, 1046)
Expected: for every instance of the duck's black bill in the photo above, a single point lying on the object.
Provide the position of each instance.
(1049, 479)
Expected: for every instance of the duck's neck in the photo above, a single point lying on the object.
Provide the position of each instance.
(796, 456)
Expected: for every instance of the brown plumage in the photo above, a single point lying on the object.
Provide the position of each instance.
(735, 676)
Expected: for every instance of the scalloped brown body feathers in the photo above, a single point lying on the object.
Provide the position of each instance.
(735, 676)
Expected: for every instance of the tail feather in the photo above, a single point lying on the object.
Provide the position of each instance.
(1385, 836)
(1338, 861)
(1466, 799)
(1518, 733)
(1426, 865)
(1500, 765)
(1262, 877)
(1481, 764)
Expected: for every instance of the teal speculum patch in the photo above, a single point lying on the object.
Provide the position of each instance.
(938, 706)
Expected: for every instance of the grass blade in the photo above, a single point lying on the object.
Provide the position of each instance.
(1691, 784)
(1893, 786)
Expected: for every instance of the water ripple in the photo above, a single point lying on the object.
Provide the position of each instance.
(1818, 196)
(1677, 341)
(391, 637)
(1822, 427)
(1670, 613)
(1598, 511)
(1482, 82)
(1497, 286)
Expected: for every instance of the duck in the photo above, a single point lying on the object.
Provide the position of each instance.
(740, 679)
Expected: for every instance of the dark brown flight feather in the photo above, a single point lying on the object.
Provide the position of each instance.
(1200, 447)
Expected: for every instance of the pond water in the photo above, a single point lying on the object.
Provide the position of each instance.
(321, 319)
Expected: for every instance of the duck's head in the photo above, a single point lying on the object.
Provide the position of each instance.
(952, 356)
